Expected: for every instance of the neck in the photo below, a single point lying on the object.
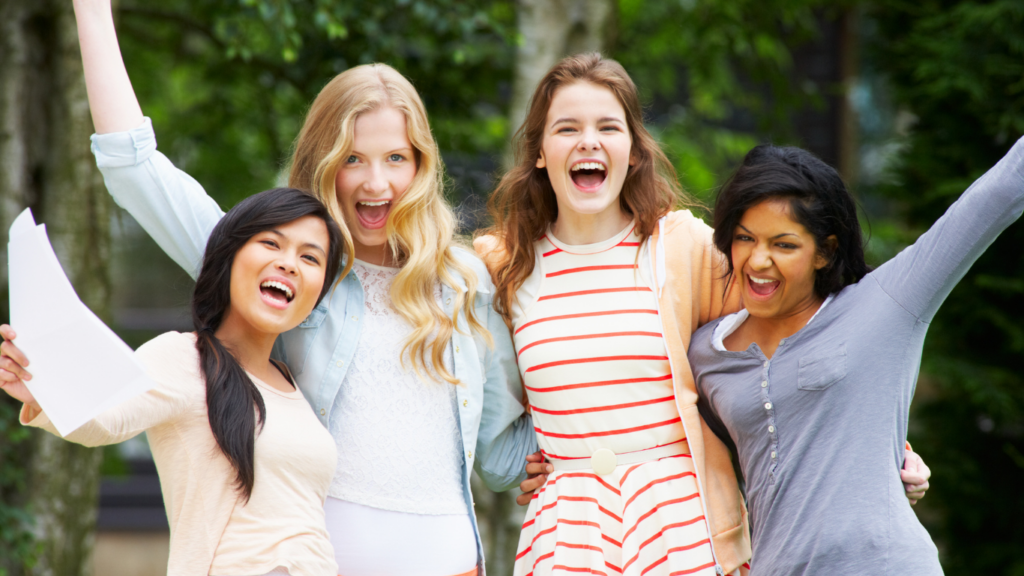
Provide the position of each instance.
(250, 347)
(379, 255)
(578, 229)
(769, 331)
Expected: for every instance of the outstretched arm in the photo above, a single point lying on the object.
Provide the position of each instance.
(112, 100)
(921, 277)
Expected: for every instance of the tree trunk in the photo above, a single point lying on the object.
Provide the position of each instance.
(47, 165)
(551, 30)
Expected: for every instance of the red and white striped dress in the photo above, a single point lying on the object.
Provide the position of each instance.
(597, 375)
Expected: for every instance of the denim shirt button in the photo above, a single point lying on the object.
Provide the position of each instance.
(323, 412)
(340, 363)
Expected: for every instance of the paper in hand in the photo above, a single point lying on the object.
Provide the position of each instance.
(79, 366)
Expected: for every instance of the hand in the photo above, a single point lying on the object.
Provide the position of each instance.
(12, 368)
(537, 471)
(915, 475)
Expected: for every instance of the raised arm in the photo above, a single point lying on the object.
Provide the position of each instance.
(171, 206)
(112, 100)
(922, 276)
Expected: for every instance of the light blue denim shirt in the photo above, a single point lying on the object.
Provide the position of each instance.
(175, 210)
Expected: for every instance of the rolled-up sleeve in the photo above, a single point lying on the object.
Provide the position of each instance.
(169, 204)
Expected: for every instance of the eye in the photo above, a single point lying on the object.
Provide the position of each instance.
(743, 238)
(312, 259)
(269, 242)
(396, 158)
(611, 128)
(565, 130)
(786, 246)
(351, 160)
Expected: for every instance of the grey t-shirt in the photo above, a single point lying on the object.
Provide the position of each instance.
(820, 428)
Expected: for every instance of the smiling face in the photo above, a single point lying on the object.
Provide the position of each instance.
(586, 150)
(776, 259)
(277, 276)
(376, 173)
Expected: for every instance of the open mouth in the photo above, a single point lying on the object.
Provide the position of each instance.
(763, 287)
(588, 175)
(275, 293)
(373, 213)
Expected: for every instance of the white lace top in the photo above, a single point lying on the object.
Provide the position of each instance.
(398, 437)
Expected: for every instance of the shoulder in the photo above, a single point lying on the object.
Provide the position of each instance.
(170, 357)
(477, 266)
(683, 224)
(701, 348)
(491, 251)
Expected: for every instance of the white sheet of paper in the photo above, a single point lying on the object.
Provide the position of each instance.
(79, 366)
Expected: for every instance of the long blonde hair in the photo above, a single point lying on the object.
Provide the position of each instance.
(420, 227)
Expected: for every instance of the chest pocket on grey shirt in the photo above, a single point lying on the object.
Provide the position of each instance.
(820, 372)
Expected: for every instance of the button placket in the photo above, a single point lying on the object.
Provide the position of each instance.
(769, 408)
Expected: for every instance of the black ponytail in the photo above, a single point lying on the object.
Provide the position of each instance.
(230, 394)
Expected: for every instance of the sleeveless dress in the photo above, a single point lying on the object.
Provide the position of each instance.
(597, 374)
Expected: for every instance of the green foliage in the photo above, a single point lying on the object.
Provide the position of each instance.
(251, 67)
(712, 62)
(17, 546)
(958, 66)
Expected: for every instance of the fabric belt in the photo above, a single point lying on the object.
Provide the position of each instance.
(604, 461)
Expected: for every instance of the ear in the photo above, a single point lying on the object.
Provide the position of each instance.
(541, 162)
(824, 256)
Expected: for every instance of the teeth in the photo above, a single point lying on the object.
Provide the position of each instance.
(369, 203)
(761, 280)
(275, 284)
(588, 166)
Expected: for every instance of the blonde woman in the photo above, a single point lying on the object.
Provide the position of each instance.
(405, 361)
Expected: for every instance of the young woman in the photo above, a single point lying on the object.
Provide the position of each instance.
(819, 369)
(603, 285)
(406, 364)
(244, 465)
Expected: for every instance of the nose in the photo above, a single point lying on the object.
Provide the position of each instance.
(377, 183)
(287, 265)
(760, 258)
(589, 140)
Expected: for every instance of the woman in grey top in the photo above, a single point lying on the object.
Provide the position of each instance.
(817, 373)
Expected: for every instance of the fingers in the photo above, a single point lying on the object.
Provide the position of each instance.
(13, 360)
(537, 471)
(913, 477)
(528, 487)
(535, 457)
(11, 373)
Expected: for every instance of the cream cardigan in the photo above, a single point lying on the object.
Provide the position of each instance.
(196, 478)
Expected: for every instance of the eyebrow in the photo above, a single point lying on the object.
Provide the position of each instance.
(312, 245)
(776, 237)
(574, 120)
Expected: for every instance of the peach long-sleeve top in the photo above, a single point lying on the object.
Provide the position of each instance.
(213, 532)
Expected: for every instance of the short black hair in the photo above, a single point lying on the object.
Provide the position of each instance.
(818, 200)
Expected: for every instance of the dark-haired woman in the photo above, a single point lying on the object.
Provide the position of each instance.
(818, 371)
(244, 463)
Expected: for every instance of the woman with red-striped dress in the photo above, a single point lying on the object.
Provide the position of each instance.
(601, 339)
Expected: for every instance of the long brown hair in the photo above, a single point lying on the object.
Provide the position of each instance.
(523, 205)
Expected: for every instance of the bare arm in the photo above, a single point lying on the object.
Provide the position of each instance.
(112, 100)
